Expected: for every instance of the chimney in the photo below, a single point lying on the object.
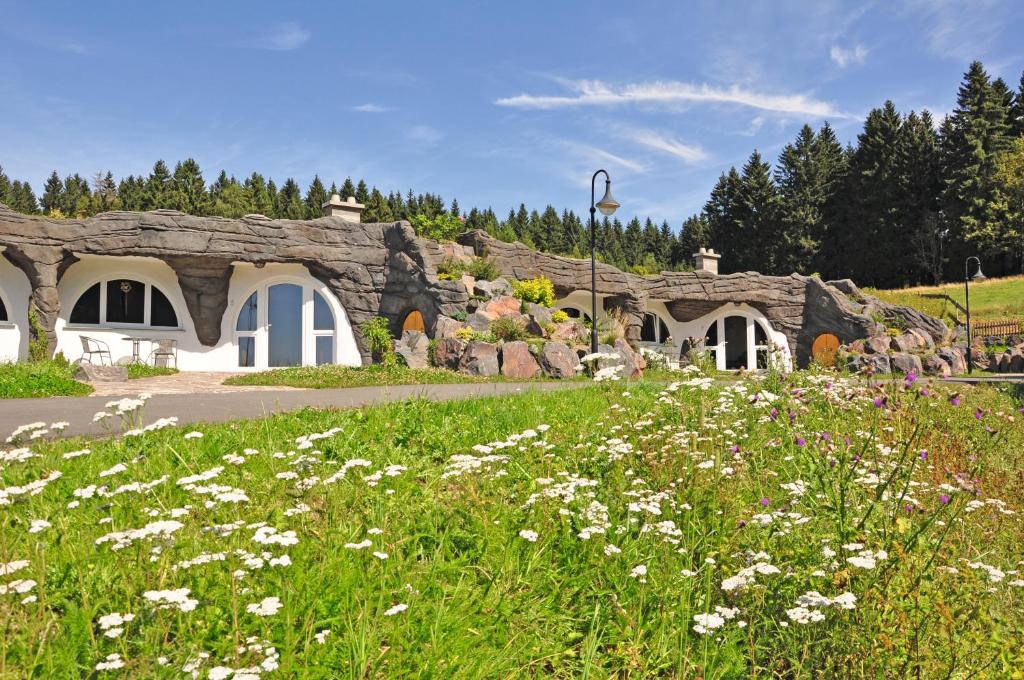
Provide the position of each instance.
(347, 210)
(706, 260)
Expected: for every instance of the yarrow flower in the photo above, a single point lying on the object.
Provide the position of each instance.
(268, 606)
(529, 534)
(397, 609)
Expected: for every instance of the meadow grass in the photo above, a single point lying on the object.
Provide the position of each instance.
(333, 375)
(40, 379)
(991, 299)
(806, 526)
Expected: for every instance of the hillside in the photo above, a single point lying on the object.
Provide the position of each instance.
(992, 299)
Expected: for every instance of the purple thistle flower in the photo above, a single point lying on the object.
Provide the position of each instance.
(910, 379)
(944, 499)
(925, 392)
(923, 455)
(774, 414)
(881, 401)
(825, 436)
(800, 441)
(955, 400)
(765, 502)
(978, 414)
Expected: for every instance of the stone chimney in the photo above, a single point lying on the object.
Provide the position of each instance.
(347, 210)
(706, 260)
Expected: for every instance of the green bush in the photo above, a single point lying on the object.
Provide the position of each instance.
(442, 228)
(559, 316)
(508, 329)
(450, 269)
(539, 291)
(48, 378)
(482, 269)
(38, 347)
(377, 333)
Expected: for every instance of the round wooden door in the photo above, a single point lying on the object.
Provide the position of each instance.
(414, 322)
(825, 348)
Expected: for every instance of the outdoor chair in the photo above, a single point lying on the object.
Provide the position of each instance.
(166, 350)
(92, 347)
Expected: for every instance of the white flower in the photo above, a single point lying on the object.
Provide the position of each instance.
(268, 606)
(194, 435)
(706, 623)
(172, 598)
(804, 615)
(529, 534)
(397, 609)
(39, 525)
(11, 567)
(845, 601)
(639, 572)
(611, 549)
(380, 555)
(20, 586)
(365, 543)
(321, 637)
(112, 663)
(120, 467)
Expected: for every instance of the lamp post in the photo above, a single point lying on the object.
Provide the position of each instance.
(978, 276)
(607, 205)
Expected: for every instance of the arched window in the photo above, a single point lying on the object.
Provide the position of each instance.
(286, 324)
(738, 340)
(3, 310)
(654, 329)
(124, 302)
(574, 313)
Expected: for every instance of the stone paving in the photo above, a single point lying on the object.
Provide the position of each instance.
(186, 382)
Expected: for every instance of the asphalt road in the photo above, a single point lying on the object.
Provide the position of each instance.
(212, 408)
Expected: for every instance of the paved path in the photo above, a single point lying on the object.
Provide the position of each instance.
(186, 382)
(1005, 377)
(204, 407)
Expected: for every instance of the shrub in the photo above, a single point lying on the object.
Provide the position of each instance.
(443, 228)
(483, 269)
(38, 347)
(465, 333)
(559, 316)
(450, 269)
(377, 333)
(508, 329)
(539, 290)
(460, 315)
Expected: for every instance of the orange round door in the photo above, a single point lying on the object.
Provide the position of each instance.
(414, 322)
(825, 348)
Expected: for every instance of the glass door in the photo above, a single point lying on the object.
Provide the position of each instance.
(284, 325)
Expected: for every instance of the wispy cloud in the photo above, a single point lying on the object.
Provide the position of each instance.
(283, 37)
(658, 141)
(371, 108)
(598, 93)
(844, 57)
(424, 136)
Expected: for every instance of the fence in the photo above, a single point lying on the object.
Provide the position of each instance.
(997, 328)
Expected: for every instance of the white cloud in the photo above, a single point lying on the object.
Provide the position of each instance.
(845, 57)
(424, 135)
(371, 108)
(597, 93)
(688, 153)
(284, 37)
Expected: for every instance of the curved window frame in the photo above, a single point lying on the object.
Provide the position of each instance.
(761, 351)
(147, 311)
(581, 315)
(658, 325)
(258, 350)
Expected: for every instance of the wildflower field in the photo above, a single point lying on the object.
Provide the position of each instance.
(798, 526)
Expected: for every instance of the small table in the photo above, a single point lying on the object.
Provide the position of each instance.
(136, 348)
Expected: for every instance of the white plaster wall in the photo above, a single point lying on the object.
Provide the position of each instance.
(192, 355)
(580, 299)
(15, 291)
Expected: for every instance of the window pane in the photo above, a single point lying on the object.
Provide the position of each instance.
(324, 349)
(126, 301)
(323, 320)
(161, 312)
(284, 325)
(760, 337)
(3, 311)
(762, 358)
(247, 351)
(247, 316)
(663, 334)
(736, 342)
(711, 334)
(87, 308)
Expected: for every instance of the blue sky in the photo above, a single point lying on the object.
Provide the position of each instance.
(493, 103)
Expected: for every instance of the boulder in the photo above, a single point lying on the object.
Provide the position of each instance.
(1012, 361)
(448, 353)
(923, 339)
(469, 282)
(492, 289)
(569, 331)
(558, 360)
(480, 358)
(539, 312)
(517, 361)
(936, 365)
(412, 346)
(879, 344)
(905, 363)
(876, 363)
(906, 342)
(633, 364)
(87, 372)
(505, 305)
(446, 327)
(479, 322)
(954, 357)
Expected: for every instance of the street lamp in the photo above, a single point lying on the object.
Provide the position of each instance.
(978, 276)
(607, 205)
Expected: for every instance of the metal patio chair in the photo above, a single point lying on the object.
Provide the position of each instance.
(164, 349)
(92, 347)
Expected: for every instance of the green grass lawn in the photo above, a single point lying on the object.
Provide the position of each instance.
(991, 300)
(321, 377)
(40, 379)
(619, 530)
(137, 371)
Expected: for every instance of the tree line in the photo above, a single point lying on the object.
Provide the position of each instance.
(904, 205)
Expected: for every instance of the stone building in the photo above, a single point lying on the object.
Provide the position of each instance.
(254, 293)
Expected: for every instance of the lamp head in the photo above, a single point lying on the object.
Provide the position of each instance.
(607, 205)
(978, 276)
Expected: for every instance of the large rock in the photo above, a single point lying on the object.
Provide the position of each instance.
(633, 364)
(877, 345)
(87, 372)
(448, 353)
(876, 363)
(936, 365)
(480, 358)
(906, 342)
(491, 289)
(571, 331)
(558, 360)
(955, 358)
(447, 327)
(1012, 361)
(479, 322)
(506, 305)
(539, 312)
(517, 361)
(924, 340)
(413, 346)
(905, 363)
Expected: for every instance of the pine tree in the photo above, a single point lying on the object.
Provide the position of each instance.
(5, 189)
(53, 192)
(188, 189)
(258, 197)
(77, 198)
(131, 192)
(1017, 111)
(316, 196)
(104, 194)
(362, 193)
(347, 189)
(552, 230)
(289, 201)
(377, 208)
(632, 244)
(920, 186)
(230, 200)
(455, 208)
(158, 188)
(721, 214)
(694, 235)
(23, 199)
